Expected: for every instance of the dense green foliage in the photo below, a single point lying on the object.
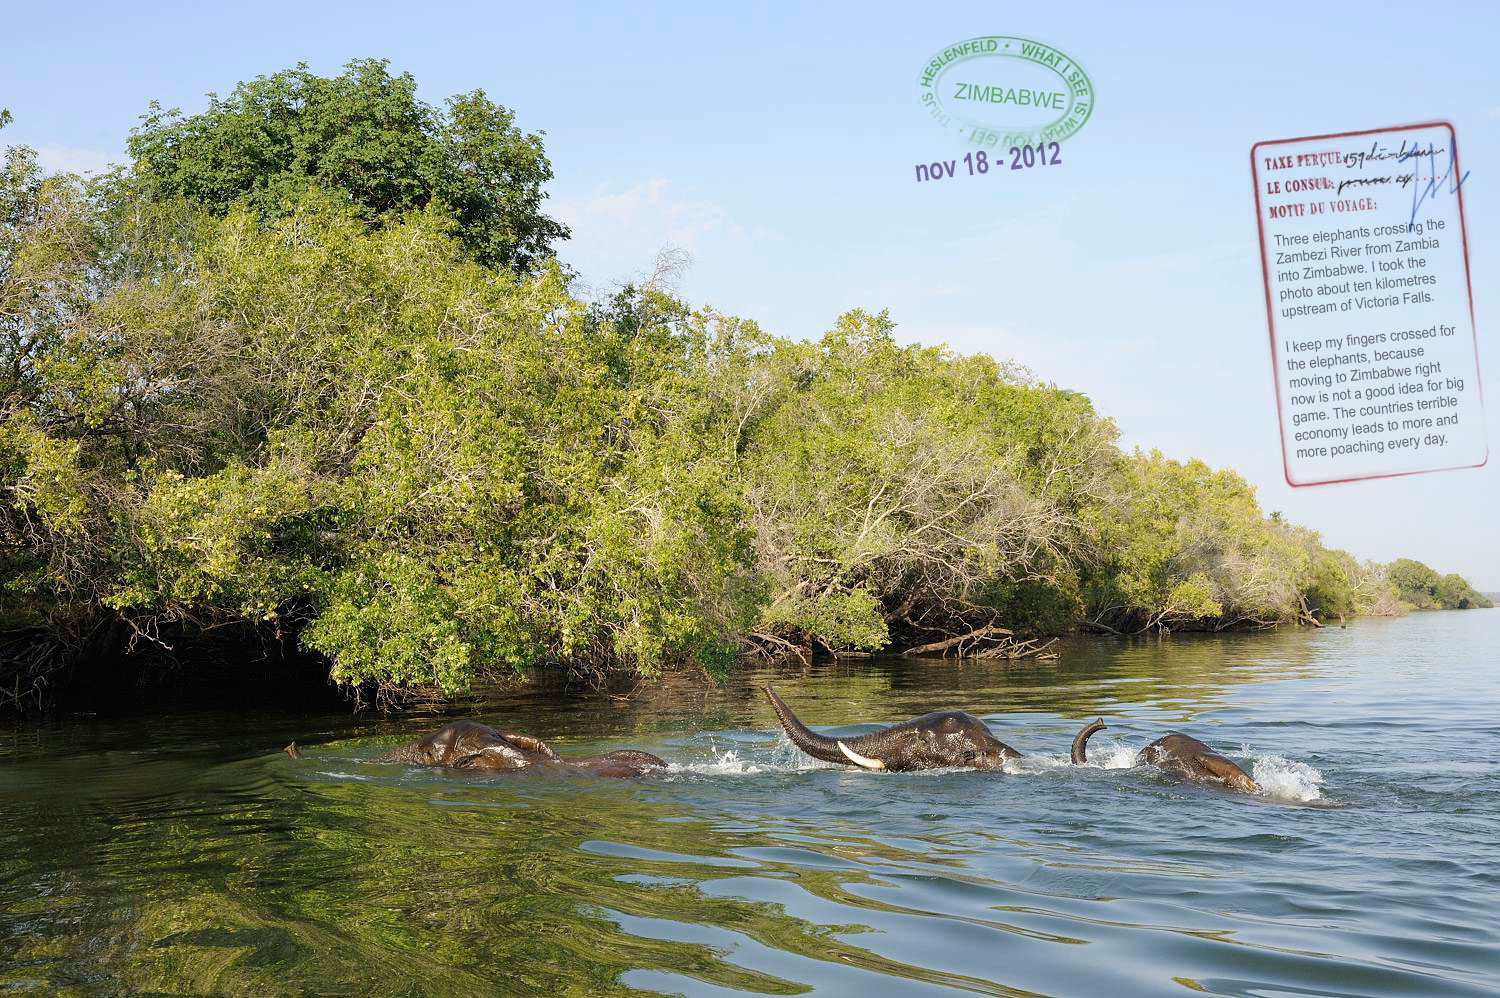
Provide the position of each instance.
(439, 466)
(365, 135)
(258, 389)
(902, 488)
(1424, 589)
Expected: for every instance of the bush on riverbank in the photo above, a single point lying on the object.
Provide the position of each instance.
(426, 459)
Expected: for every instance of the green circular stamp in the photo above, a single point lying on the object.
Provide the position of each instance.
(997, 90)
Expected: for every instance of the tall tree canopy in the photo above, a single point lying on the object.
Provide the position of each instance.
(364, 136)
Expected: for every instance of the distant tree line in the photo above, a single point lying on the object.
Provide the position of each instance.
(307, 367)
(1424, 589)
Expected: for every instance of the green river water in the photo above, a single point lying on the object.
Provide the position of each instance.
(185, 854)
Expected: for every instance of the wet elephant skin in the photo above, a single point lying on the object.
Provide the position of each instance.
(472, 745)
(941, 739)
(1181, 755)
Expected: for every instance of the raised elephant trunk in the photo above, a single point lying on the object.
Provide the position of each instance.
(1081, 741)
(816, 745)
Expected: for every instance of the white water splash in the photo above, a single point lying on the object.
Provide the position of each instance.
(728, 763)
(1112, 754)
(783, 758)
(1281, 778)
(1287, 780)
(1104, 753)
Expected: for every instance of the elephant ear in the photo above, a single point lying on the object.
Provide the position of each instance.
(1227, 771)
(529, 743)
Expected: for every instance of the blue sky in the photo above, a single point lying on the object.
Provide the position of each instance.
(777, 146)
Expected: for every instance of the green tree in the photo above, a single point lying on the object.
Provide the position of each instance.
(365, 136)
(904, 492)
(1415, 582)
(436, 472)
(1423, 588)
(1455, 593)
(50, 243)
(1184, 544)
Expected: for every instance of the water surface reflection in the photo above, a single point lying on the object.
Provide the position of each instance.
(187, 855)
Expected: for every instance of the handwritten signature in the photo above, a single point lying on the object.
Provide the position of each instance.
(1419, 192)
(1356, 160)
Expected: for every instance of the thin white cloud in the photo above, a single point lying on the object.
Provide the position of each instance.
(618, 233)
(56, 158)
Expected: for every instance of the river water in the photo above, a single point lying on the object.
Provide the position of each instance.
(186, 854)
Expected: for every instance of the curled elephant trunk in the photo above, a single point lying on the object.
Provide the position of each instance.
(816, 745)
(1081, 741)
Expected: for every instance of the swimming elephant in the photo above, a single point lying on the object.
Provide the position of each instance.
(471, 745)
(932, 741)
(1179, 754)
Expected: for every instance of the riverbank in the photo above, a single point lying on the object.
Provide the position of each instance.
(279, 676)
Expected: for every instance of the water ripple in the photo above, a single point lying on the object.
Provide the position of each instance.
(190, 856)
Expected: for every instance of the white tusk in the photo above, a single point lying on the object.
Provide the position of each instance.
(860, 760)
